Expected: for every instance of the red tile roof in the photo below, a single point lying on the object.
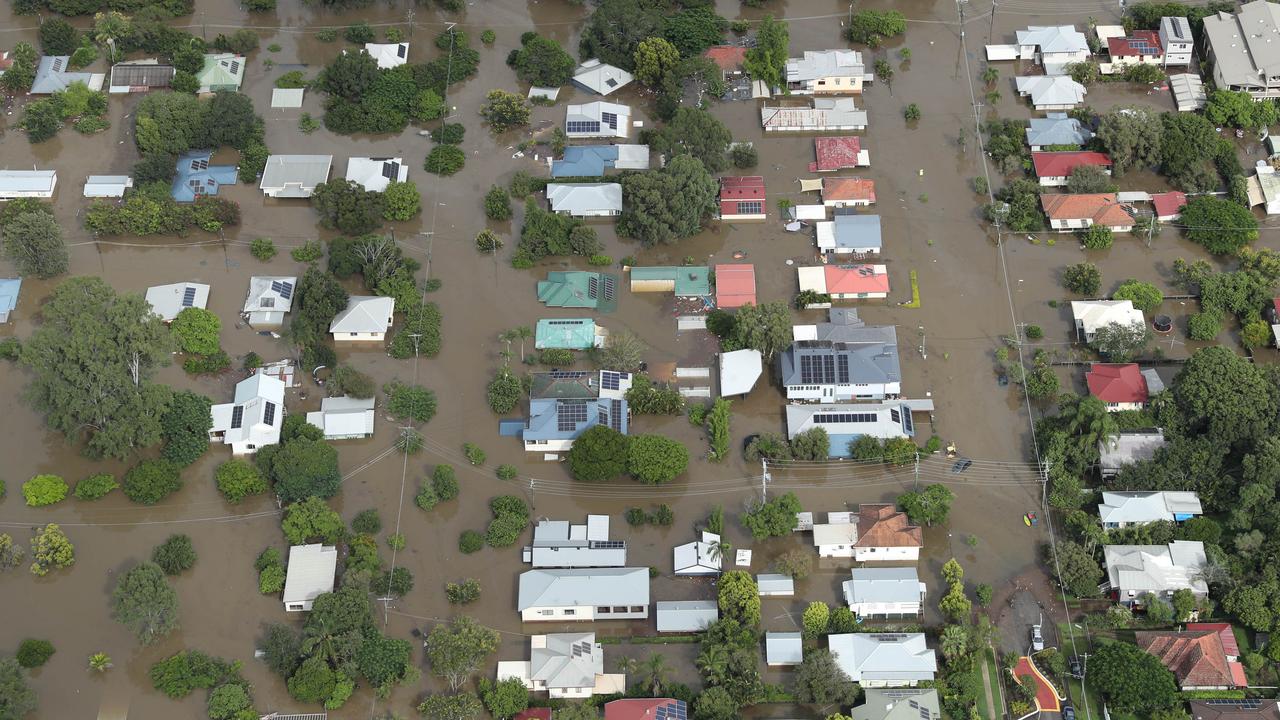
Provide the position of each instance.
(1228, 638)
(1102, 208)
(851, 188)
(885, 526)
(542, 713)
(728, 57)
(735, 285)
(853, 279)
(1168, 203)
(1195, 658)
(750, 187)
(835, 153)
(1060, 164)
(639, 708)
(1116, 383)
(1141, 42)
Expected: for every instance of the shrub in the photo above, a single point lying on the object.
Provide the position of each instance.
(367, 522)
(396, 541)
(523, 185)
(444, 482)
(507, 472)
(1082, 278)
(445, 160)
(51, 550)
(464, 592)
(488, 37)
(263, 249)
(238, 479)
(95, 486)
(911, 112)
(44, 490)
(174, 555)
(556, 357)
(207, 364)
(497, 203)
(488, 242)
(1097, 237)
(151, 481)
(449, 134)
(505, 530)
(34, 653)
(1034, 332)
(474, 454)
(470, 541)
(327, 35)
(359, 33)
(636, 516)
(427, 498)
(308, 124)
(744, 155)
(310, 251)
(271, 579)
(600, 260)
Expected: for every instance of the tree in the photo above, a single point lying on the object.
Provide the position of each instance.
(871, 28)
(11, 555)
(151, 481)
(33, 653)
(954, 604)
(954, 642)
(50, 550)
(1132, 137)
(186, 427)
(445, 160)
(767, 61)
(143, 601)
(1089, 179)
(716, 424)
(16, 699)
(228, 701)
(33, 242)
(504, 391)
(384, 661)
(350, 75)
(616, 28)
(91, 361)
(313, 681)
(455, 651)
(175, 555)
(95, 486)
(58, 37)
(42, 120)
(715, 703)
(814, 621)
(774, 518)
(42, 490)
(1221, 226)
(348, 207)
(18, 78)
(497, 203)
(819, 679)
(281, 647)
(773, 446)
(1096, 237)
(694, 29)
(301, 468)
(505, 698)
(927, 507)
(410, 402)
(766, 328)
(1131, 680)
(744, 155)
(504, 110)
(1225, 397)
(1078, 570)
(349, 381)
(696, 132)
(655, 460)
(311, 520)
(598, 454)
(1082, 278)
(459, 706)
(739, 598)
(1119, 343)
(541, 61)
(1236, 109)
(1188, 143)
(812, 445)
(656, 58)
(1144, 296)
(402, 201)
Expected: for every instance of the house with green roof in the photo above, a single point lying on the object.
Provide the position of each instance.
(578, 289)
(683, 281)
(568, 334)
(221, 71)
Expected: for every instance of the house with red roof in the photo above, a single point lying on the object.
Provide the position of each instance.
(1168, 205)
(729, 58)
(1142, 47)
(646, 709)
(1196, 658)
(1120, 386)
(846, 282)
(742, 198)
(838, 153)
(538, 713)
(1228, 638)
(735, 285)
(1055, 168)
(1067, 212)
(848, 191)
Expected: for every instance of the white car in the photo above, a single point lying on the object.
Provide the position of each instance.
(1037, 640)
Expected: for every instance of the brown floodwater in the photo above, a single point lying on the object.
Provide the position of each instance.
(932, 225)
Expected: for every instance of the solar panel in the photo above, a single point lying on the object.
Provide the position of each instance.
(583, 126)
(402, 50)
(615, 415)
(831, 418)
(285, 289)
(269, 413)
(842, 368)
(201, 164)
(188, 297)
(609, 380)
(568, 374)
(391, 170)
(608, 288)
(817, 369)
(611, 82)
(571, 414)
(908, 424)
(593, 288)
(237, 416)
(610, 119)
(235, 67)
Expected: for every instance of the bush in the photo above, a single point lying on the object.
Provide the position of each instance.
(1097, 237)
(474, 454)
(497, 203)
(470, 541)
(310, 251)
(396, 541)
(207, 364)
(449, 134)
(1204, 326)
(636, 516)
(44, 490)
(238, 479)
(911, 112)
(174, 555)
(367, 522)
(34, 653)
(1034, 332)
(488, 37)
(95, 486)
(151, 481)
(462, 593)
(359, 33)
(600, 260)
(1082, 279)
(427, 498)
(488, 242)
(444, 482)
(507, 472)
(262, 248)
(445, 160)
(409, 402)
(505, 530)
(744, 155)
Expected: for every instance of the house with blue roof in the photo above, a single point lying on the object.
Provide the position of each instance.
(593, 160)
(555, 423)
(9, 290)
(846, 422)
(196, 177)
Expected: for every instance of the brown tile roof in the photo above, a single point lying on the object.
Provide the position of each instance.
(1195, 658)
(848, 188)
(728, 57)
(1101, 207)
(1255, 709)
(885, 526)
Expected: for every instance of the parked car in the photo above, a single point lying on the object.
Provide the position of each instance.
(1037, 640)
(961, 465)
(1077, 670)
(1068, 713)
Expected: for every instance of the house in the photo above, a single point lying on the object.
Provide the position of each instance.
(1067, 212)
(827, 115)
(837, 536)
(254, 416)
(554, 424)
(1195, 657)
(774, 585)
(564, 665)
(169, 300)
(1133, 507)
(10, 289)
(344, 418)
(534, 713)
(584, 594)
(579, 289)
(1142, 47)
(597, 120)
(593, 160)
(1241, 49)
(686, 616)
(848, 191)
(845, 423)
(600, 78)
(270, 299)
(838, 153)
(1135, 570)
(1177, 41)
(283, 98)
(388, 55)
(139, 76)
(221, 71)
(884, 592)
(686, 281)
(1246, 709)
(646, 709)
(366, 319)
(866, 367)
(883, 659)
(556, 543)
(886, 535)
(729, 58)
(1188, 92)
(376, 173)
(845, 282)
(1053, 46)
(898, 705)
(52, 76)
(827, 72)
(197, 177)
(700, 557)
(1056, 130)
(568, 334)
(739, 371)
(742, 198)
(1228, 637)
(1263, 188)
(27, 183)
(1055, 168)
(585, 199)
(1093, 314)
(850, 234)
(735, 285)
(294, 176)
(783, 648)
(1127, 447)
(106, 186)
(1168, 205)
(1050, 92)
(310, 575)
(1121, 386)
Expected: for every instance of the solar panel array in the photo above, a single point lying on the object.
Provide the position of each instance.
(237, 416)
(908, 425)
(615, 415)
(235, 67)
(845, 418)
(284, 289)
(402, 50)
(572, 413)
(1143, 46)
(611, 380)
(583, 126)
(581, 649)
(200, 164)
(188, 297)
(817, 369)
(1242, 703)
(674, 710)
(269, 413)
(568, 374)
(564, 322)
(391, 170)
(610, 119)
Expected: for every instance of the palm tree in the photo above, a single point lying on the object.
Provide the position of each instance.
(990, 75)
(100, 662)
(1088, 419)
(954, 642)
(655, 672)
(717, 550)
(318, 636)
(714, 664)
(628, 665)
(522, 333)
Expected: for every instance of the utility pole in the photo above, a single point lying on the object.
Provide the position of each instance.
(409, 17)
(916, 485)
(850, 15)
(923, 355)
(1044, 485)
(764, 480)
(992, 29)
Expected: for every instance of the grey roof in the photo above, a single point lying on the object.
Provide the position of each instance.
(1129, 447)
(1156, 568)
(686, 615)
(557, 543)
(783, 648)
(295, 175)
(883, 424)
(854, 362)
(1155, 383)
(844, 326)
(826, 113)
(107, 185)
(569, 660)
(287, 97)
(1246, 46)
(1051, 89)
(311, 572)
(594, 113)
(904, 704)
(27, 181)
(583, 587)
(772, 584)
(853, 230)
(142, 73)
(884, 657)
(1188, 91)
(817, 64)
(10, 288)
(1176, 27)
(601, 78)
(52, 76)
(1054, 38)
(1144, 506)
(883, 585)
(364, 314)
(1057, 129)
(580, 198)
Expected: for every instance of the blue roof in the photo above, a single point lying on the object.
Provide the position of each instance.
(197, 177)
(9, 289)
(858, 231)
(585, 161)
(545, 422)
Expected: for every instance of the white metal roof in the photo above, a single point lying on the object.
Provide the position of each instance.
(883, 585)
(388, 55)
(782, 648)
(27, 181)
(311, 571)
(686, 615)
(364, 314)
(376, 173)
(739, 371)
(600, 77)
(287, 97)
(883, 657)
(577, 198)
(169, 300)
(577, 587)
(344, 416)
(106, 185)
(1147, 506)
(271, 293)
(295, 175)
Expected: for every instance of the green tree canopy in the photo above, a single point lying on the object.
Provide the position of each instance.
(1132, 680)
(301, 468)
(767, 61)
(311, 520)
(1226, 397)
(1144, 296)
(17, 699)
(663, 206)
(186, 427)
(33, 242)
(694, 29)
(348, 207)
(696, 132)
(541, 61)
(819, 679)
(599, 453)
(143, 601)
(774, 518)
(1221, 226)
(739, 598)
(656, 59)
(1132, 137)
(455, 651)
(616, 27)
(929, 506)
(765, 327)
(655, 460)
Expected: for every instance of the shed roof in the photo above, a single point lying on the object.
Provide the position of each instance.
(739, 371)
(579, 198)
(287, 97)
(107, 185)
(783, 648)
(735, 284)
(686, 615)
(27, 181)
(773, 584)
(310, 573)
(727, 57)
(1168, 204)
(576, 587)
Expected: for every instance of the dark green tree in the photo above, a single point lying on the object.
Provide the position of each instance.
(696, 132)
(655, 460)
(1221, 226)
(1225, 397)
(774, 518)
(767, 61)
(663, 206)
(33, 241)
(616, 27)
(1132, 680)
(175, 555)
(541, 61)
(144, 602)
(186, 427)
(929, 506)
(348, 207)
(819, 679)
(599, 453)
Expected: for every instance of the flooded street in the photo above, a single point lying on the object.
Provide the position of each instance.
(971, 298)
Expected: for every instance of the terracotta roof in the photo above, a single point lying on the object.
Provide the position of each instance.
(848, 189)
(750, 187)
(1228, 638)
(835, 153)
(1195, 658)
(1102, 208)
(1168, 203)
(855, 279)
(1253, 709)
(1116, 383)
(1060, 164)
(728, 57)
(542, 713)
(885, 526)
(1141, 42)
(641, 708)
(735, 285)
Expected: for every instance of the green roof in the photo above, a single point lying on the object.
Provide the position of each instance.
(689, 281)
(577, 289)
(223, 71)
(575, 334)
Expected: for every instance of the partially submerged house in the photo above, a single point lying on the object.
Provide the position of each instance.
(1050, 92)
(828, 114)
(1054, 168)
(700, 557)
(1053, 46)
(646, 709)
(1141, 47)
(847, 422)
(783, 649)
(884, 659)
(775, 585)
(376, 174)
(27, 184)
(559, 544)
(1127, 447)
(585, 199)
(848, 191)
(600, 78)
(594, 160)
(850, 234)
(686, 616)
(742, 198)
(1263, 188)
(735, 285)
(294, 176)
(1168, 205)
(584, 594)
(1135, 570)
(310, 575)
(894, 592)
(1055, 130)
(1196, 658)
(1121, 509)
(344, 418)
(886, 535)
(564, 665)
(388, 55)
(554, 424)
(827, 72)
(837, 536)
(1121, 386)
(845, 282)
(253, 418)
(365, 319)
(221, 71)
(270, 299)
(568, 334)
(140, 76)
(686, 281)
(838, 153)
(739, 371)
(597, 120)
(1242, 50)
(169, 300)
(579, 289)
(197, 177)
(107, 186)
(729, 58)
(1068, 212)
(1090, 315)
(1177, 40)
(865, 367)
(10, 289)
(52, 76)
(898, 705)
